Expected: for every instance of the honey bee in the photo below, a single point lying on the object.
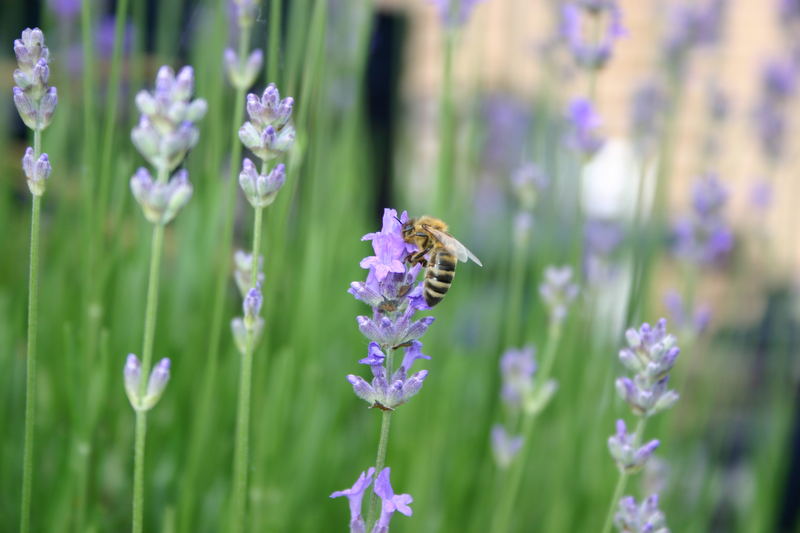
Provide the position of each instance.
(430, 235)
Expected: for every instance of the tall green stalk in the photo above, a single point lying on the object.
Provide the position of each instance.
(151, 311)
(502, 518)
(33, 329)
(273, 49)
(444, 174)
(242, 446)
(383, 445)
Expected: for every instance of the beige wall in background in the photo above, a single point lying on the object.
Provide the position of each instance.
(497, 53)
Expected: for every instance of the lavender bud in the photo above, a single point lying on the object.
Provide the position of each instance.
(644, 518)
(25, 108)
(624, 450)
(34, 99)
(242, 74)
(505, 446)
(133, 376)
(252, 305)
(156, 384)
(558, 291)
(161, 202)
(36, 171)
(261, 190)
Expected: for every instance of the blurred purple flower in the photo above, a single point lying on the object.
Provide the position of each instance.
(505, 446)
(644, 518)
(517, 367)
(704, 236)
(65, 9)
(583, 124)
(592, 55)
(454, 13)
(693, 322)
(778, 80)
(648, 109)
(602, 239)
(387, 394)
(558, 291)
(692, 26)
(527, 181)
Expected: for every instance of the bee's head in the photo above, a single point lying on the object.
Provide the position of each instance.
(407, 228)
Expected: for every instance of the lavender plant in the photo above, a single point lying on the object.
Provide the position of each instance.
(583, 122)
(526, 391)
(650, 356)
(163, 136)
(382, 489)
(395, 296)
(268, 134)
(36, 102)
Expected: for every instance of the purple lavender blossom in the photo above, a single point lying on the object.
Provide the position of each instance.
(692, 323)
(454, 13)
(644, 518)
(650, 355)
(390, 502)
(704, 236)
(630, 457)
(602, 239)
(394, 294)
(387, 394)
(778, 87)
(583, 123)
(517, 368)
(34, 98)
(65, 9)
(36, 170)
(261, 189)
(591, 55)
(692, 26)
(505, 447)
(269, 133)
(355, 496)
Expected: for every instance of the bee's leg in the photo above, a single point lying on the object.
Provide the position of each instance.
(419, 257)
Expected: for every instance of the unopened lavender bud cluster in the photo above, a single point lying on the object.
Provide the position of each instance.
(35, 101)
(249, 327)
(164, 134)
(395, 296)
(703, 236)
(640, 518)
(558, 292)
(156, 383)
(243, 71)
(390, 502)
(650, 355)
(690, 322)
(269, 133)
(629, 456)
(577, 20)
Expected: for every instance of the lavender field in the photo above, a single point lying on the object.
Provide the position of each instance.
(468, 266)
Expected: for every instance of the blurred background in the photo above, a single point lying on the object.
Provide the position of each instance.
(677, 199)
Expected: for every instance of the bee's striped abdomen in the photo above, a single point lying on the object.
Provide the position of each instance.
(439, 276)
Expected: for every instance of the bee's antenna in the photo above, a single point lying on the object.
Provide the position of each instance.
(400, 221)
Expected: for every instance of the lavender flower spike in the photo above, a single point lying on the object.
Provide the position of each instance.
(558, 291)
(583, 125)
(390, 502)
(355, 495)
(623, 449)
(587, 54)
(35, 99)
(644, 518)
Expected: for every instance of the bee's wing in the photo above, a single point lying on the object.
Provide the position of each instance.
(462, 252)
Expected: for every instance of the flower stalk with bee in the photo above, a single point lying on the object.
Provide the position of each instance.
(35, 102)
(268, 134)
(164, 135)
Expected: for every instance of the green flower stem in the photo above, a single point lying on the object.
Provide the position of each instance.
(151, 312)
(622, 481)
(273, 50)
(444, 174)
(516, 286)
(380, 463)
(502, 519)
(242, 446)
(33, 328)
